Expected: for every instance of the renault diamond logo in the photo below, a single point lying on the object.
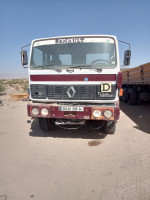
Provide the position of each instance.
(71, 92)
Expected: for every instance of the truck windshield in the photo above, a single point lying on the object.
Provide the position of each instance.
(73, 52)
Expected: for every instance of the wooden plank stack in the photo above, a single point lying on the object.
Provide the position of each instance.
(137, 75)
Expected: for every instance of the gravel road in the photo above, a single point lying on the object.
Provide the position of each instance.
(74, 165)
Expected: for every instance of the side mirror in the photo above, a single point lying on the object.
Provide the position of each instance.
(127, 57)
(24, 57)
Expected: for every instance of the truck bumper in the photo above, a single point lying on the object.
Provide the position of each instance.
(55, 111)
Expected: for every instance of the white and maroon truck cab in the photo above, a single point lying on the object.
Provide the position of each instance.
(74, 80)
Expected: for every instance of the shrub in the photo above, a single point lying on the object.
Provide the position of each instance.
(25, 87)
(17, 87)
(18, 84)
(2, 87)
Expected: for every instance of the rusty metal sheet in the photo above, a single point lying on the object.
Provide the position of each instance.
(19, 96)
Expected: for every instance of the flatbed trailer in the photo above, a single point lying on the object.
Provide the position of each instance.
(136, 84)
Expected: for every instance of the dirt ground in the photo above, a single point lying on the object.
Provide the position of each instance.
(71, 165)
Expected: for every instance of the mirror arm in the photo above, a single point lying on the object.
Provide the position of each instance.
(25, 46)
(125, 43)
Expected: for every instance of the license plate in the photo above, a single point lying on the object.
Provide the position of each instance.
(69, 108)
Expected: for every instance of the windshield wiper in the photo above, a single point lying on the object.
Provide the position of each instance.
(36, 67)
(86, 67)
(81, 66)
(52, 68)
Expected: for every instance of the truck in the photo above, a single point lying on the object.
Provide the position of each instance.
(136, 84)
(75, 81)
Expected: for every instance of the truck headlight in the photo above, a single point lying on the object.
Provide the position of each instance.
(108, 114)
(35, 111)
(44, 111)
(97, 113)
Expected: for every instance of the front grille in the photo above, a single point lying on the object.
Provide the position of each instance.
(74, 92)
(88, 92)
(81, 92)
(38, 92)
(54, 92)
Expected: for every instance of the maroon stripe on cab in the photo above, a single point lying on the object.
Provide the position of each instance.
(76, 77)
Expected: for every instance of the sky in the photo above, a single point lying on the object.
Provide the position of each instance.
(22, 21)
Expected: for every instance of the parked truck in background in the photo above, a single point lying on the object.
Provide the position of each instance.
(136, 84)
(75, 80)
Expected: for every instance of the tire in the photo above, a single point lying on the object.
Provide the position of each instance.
(124, 97)
(110, 127)
(138, 101)
(132, 96)
(46, 124)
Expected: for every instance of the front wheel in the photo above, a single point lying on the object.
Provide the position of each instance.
(110, 127)
(46, 124)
